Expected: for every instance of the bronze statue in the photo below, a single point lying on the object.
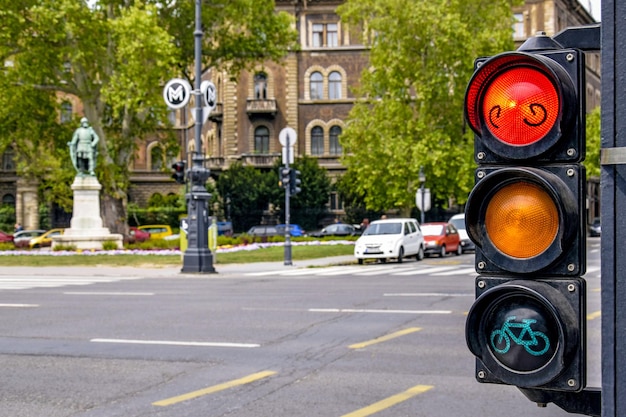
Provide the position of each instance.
(84, 148)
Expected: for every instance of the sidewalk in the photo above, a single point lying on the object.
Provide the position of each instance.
(221, 269)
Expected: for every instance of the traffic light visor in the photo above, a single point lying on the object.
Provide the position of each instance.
(520, 104)
(521, 220)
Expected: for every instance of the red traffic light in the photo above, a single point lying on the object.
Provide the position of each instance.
(523, 105)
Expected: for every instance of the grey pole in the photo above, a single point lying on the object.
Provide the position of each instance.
(198, 258)
(287, 213)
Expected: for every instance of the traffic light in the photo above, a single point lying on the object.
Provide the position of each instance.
(179, 171)
(284, 175)
(294, 182)
(526, 217)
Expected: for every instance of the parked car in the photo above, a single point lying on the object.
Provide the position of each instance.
(441, 238)
(22, 239)
(157, 231)
(458, 221)
(45, 239)
(264, 231)
(595, 229)
(295, 230)
(5, 237)
(390, 238)
(136, 235)
(337, 229)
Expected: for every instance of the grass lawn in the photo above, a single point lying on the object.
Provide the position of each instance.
(270, 254)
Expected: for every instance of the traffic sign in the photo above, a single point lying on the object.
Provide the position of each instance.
(209, 93)
(177, 93)
(287, 137)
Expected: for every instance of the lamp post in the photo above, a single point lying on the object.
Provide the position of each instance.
(422, 179)
(198, 258)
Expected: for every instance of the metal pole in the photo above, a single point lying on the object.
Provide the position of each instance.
(198, 257)
(287, 213)
(423, 201)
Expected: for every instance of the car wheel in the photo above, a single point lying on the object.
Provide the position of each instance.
(400, 254)
(459, 250)
(442, 252)
(360, 261)
(420, 254)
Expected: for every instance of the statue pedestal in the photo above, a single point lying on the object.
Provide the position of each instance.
(86, 231)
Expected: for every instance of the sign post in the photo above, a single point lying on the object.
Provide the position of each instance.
(287, 137)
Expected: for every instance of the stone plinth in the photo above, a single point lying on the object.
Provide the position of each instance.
(86, 231)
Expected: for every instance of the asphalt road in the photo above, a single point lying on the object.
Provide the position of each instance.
(253, 341)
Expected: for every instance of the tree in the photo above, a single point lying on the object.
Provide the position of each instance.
(409, 111)
(592, 160)
(115, 56)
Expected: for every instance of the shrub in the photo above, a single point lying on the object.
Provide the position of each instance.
(109, 245)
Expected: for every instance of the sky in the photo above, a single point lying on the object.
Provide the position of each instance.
(593, 6)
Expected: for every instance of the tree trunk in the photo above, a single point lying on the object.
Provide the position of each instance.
(114, 214)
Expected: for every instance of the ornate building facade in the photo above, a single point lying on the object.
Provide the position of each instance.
(309, 91)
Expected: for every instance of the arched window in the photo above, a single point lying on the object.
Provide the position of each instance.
(156, 158)
(66, 112)
(261, 140)
(334, 85)
(260, 86)
(317, 86)
(8, 199)
(335, 146)
(317, 141)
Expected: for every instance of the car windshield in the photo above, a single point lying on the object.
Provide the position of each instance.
(383, 229)
(459, 223)
(432, 229)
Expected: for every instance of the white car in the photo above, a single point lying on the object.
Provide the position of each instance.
(390, 238)
(458, 220)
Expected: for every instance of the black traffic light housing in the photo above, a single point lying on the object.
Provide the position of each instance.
(526, 216)
(294, 182)
(284, 177)
(179, 171)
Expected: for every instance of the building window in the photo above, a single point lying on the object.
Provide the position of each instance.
(66, 112)
(261, 140)
(156, 158)
(317, 141)
(334, 85)
(335, 146)
(317, 86)
(325, 35)
(8, 159)
(335, 203)
(260, 86)
(8, 200)
(331, 35)
(518, 26)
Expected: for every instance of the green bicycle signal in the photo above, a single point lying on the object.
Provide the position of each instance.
(531, 340)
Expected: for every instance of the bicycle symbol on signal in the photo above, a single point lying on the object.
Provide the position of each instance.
(527, 337)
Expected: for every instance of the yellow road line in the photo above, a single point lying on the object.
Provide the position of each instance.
(389, 402)
(385, 338)
(214, 388)
(594, 315)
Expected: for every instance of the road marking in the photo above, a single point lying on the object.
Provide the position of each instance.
(379, 270)
(390, 401)
(353, 310)
(175, 343)
(385, 338)
(107, 293)
(594, 315)
(462, 271)
(19, 305)
(215, 388)
(427, 294)
(427, 270)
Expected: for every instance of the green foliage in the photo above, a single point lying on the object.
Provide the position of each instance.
(410, 108)
(154, 244)
(109, 245)
(169, 215)
(7, 246)
(7, 217)
(592, 160)
(61, 247)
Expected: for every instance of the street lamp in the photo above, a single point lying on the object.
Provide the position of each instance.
(421, 177)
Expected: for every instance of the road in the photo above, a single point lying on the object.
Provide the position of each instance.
(343, 340)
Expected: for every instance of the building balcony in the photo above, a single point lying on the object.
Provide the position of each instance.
(261, 108)
(260, 160)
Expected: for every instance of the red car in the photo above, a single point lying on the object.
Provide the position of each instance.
(5, 237)
(137, 235)
(441, 238)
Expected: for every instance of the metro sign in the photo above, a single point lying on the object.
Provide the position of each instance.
(177, 93)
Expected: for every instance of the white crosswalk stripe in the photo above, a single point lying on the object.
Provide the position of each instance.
(24, 282)
(412, 269)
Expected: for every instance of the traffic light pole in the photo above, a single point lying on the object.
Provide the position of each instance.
(198, 257)
(287, 215)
